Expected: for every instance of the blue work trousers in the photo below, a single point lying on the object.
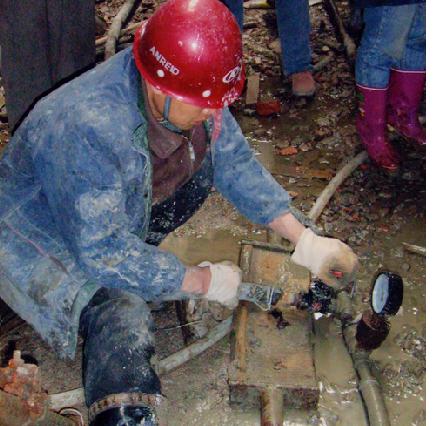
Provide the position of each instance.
(294, 32)
(394, 37)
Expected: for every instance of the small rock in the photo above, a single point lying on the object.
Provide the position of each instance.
(323, 121)
(405, 267)
(276, 46)
(305, 147)
(266, 108)
(260, 132)
(290, 150)
(385, 195)
(248, 112)
(282, 144)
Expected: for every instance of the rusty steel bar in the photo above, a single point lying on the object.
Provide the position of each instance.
(272, 407)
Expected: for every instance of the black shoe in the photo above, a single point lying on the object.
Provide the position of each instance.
(126, 416)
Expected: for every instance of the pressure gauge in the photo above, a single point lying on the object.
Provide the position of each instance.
(387, 293)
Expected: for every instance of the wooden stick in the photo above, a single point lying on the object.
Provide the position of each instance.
(130, 28)
(75, 397)
(412, 248)
(330, 189)
(115, 28)
(341, 32)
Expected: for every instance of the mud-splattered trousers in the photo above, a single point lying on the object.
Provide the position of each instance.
(76, 201)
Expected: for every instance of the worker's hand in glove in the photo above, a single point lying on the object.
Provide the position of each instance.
(224, 283)
(329, 259)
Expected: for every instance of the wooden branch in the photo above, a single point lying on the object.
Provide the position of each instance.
(129, 29)
(330, 189)
(341, 32)
(415, 249)
(75, 397)
(115, 28)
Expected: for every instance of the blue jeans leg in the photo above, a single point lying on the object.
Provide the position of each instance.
(236, 7)
(383, 43)
(118, 346)
(414, 56)
(294, 32)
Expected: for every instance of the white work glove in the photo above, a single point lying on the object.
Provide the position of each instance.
(323, 256)
(223, 288)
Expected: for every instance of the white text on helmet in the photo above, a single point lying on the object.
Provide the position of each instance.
(163, 61)
(232, 75)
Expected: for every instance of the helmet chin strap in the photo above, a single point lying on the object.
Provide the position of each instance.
(165, 121)
(166, 110)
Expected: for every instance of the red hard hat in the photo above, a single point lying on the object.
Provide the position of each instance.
(192, 50)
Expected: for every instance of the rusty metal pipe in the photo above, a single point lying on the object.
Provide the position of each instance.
(272, 407)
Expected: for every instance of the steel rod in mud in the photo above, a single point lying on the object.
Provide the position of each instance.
(272, 407)
(412, 248)
(368, 385)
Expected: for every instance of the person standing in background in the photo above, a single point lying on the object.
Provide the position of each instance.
(43, 43)
(390, 76)
(294, 32)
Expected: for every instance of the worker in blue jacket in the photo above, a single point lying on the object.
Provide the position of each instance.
(103, 169)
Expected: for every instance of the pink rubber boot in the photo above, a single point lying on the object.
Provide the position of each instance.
(404, 97)
(371, 123)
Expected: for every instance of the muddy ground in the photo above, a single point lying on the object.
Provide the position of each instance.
(372, 212)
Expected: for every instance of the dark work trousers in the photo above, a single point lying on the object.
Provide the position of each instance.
(43, 44)
(116, 325)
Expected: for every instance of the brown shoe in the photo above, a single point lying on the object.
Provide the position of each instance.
(303, 84)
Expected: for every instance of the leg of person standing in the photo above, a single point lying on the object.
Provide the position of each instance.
(382, 46)
(43, 43)
(237, 8)
(294, 32)
(407, 82)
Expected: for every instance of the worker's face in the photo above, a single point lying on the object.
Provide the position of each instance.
(182, 115)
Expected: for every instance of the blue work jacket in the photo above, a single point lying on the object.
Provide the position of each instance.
(75, 201)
